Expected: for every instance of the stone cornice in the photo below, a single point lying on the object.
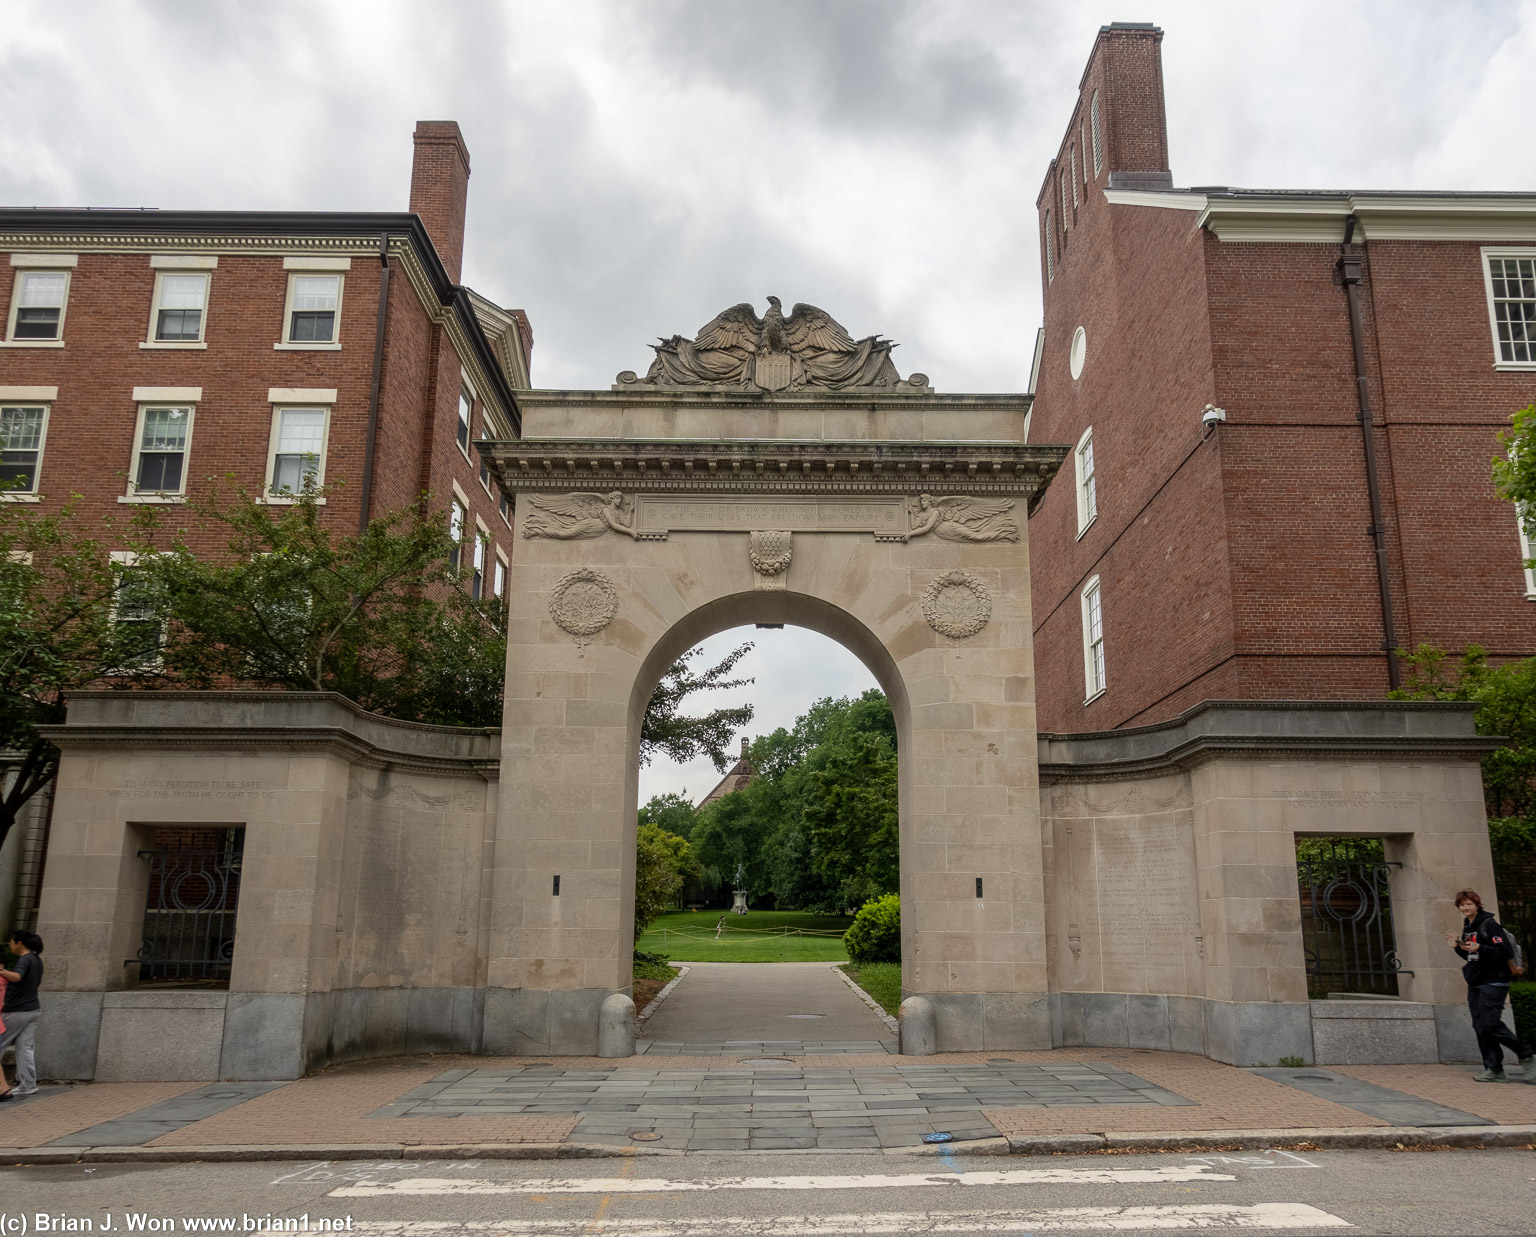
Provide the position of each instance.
(1254, 729)
(294, 722)
(894, 400)
(774, 466)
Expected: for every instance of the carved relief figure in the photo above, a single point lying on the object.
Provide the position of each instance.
(963, 519)
(774, 353)
(576, 517)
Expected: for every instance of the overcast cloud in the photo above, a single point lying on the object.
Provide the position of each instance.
(638, 167)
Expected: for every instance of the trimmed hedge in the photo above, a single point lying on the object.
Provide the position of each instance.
(875, 935)
(1522, 1001)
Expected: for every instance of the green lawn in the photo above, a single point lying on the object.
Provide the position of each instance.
(882, 980)
(758, 936)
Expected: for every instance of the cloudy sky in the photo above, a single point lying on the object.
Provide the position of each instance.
(640, 166)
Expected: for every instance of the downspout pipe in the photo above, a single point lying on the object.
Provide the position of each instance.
(366, 497)
(1350, 273)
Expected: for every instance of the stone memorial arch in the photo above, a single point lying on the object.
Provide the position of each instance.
(773, 471)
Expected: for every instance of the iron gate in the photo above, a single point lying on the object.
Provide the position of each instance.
(1346, 916)
(189, 910)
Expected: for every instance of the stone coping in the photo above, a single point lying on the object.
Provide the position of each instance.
(894, 399)
(1379, 728)
(271, 719)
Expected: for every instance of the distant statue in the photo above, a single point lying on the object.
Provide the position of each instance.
(962, 519)
(575, 517)
(737, 349)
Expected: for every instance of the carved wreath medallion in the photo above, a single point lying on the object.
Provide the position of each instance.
(957, 604)
(583, 603)
(769, 552)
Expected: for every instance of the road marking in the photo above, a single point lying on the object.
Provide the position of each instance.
(662, 1185)
(1046, 1220)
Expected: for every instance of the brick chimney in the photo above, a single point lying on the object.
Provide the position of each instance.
(440, 188)
(1126, 70)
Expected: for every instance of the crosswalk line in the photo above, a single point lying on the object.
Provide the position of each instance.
(1260, 1216)
(660, 1185)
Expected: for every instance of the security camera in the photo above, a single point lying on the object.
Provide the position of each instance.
(1211, 416)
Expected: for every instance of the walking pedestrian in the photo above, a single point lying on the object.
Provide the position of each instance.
(1486, 949)
(21, 1011)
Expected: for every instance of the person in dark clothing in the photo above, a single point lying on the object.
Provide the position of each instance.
(1486, 949)
(22, 1011)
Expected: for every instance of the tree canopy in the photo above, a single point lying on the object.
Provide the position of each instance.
(816, 829)
(681, 737)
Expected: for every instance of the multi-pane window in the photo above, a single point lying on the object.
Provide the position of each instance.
(477, 579)
(313, 304)
(21, 447)
(499, 580)
(466, 407)
(1093, 113)
(179, 305)
(1050, 250)
(457, 513)
(1512, 304)
(38, 309)
(1093, 640)
(1087, 482)
(298, 450)
(1525, 555)
(160, 456)
(137, 626)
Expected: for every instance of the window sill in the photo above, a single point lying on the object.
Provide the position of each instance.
(1515, 367)
(282, 500)
(172, 346)
(306, 347)
(10, 496)
(31, 343)
(1087, 526)
(1095, 695)
(164, 500)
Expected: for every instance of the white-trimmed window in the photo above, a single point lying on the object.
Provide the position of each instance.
(481, 554)
(499, 579)
(1098, 144)
(137, 625)
(458, 516)
(312, 312)
(1050, 249)
(161, 443)
(1072, 155)
(466, 414)
(180, 307)
(485, 461)
(296, 458)
(504, 505)
(1087, 482)
(1066, 215)
(23, 435)
(38, 301)
(1093, 642)
(1510, 275)
(1526, 556)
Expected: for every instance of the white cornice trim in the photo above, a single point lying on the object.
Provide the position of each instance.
(1289, 220)
(1163, 201)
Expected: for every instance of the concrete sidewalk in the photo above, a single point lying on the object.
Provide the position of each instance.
(547, 1107)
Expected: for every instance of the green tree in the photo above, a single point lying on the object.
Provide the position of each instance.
(663, 863)
(672, 812)
(680, 737)
(1514, 473)
(59, 593)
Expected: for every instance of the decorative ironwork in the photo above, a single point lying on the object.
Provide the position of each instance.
(1346, 917)
(190, 905)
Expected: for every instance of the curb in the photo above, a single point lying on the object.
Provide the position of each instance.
(1361, 1138)
(891, 1024)
(644, 1015)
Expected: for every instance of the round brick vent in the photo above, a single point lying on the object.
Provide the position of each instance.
(1078, 353)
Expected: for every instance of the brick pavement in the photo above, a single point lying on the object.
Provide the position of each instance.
(73, 1109)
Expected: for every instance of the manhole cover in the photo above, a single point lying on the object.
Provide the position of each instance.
(765, 1061)
(943, 1137)
(1311, 1078)
(803, 1015)
(223, 1095)
(645, 1136)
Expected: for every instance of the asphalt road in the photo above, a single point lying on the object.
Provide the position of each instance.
(787, 1194)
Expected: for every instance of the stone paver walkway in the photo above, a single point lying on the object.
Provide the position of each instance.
(782, 1008)
(777, 1107)
(1393, 1107)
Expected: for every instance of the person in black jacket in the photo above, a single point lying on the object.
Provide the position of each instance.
(1485, 947)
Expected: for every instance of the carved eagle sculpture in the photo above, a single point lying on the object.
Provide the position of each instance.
(773, 353)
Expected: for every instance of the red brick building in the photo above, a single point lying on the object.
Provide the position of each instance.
(148, 352)
(1213, 536)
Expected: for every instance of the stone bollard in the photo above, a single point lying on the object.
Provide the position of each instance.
(616, 1027)
(919, 1027)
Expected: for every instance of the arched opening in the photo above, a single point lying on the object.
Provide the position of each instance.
(729, 994)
